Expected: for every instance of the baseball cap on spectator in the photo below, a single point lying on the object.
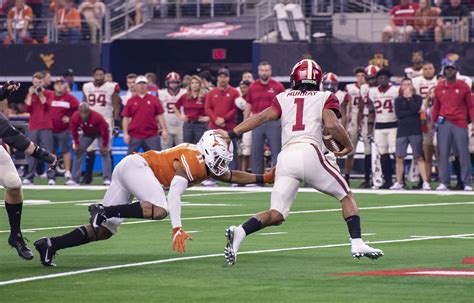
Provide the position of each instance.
(60, 80)
(141, 79)
(449, 63)
(245, 82)
(223, 71)
(68, 72)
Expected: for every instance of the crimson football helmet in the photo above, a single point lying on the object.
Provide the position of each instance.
(306, 72)
(371, 71)
(173, 77)
(330, 82)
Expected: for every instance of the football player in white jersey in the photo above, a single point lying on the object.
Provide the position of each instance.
(330, 83)
(304, 112)
(168, 97)
(416, 69)
(357, 130)
(423, 84)
(382, 100)
(102, 97)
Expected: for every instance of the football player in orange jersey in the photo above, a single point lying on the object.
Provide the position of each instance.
(144, 176)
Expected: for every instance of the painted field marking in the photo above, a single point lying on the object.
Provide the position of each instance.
(187, 204)
(272, 234)
(443, 273)
(369, 234)
(2, 203)
(248, 215)
(171, 260)
(263, 190)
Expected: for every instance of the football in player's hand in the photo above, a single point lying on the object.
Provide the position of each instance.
(331, 144)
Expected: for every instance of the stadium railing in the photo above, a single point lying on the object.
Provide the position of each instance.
(344, 27)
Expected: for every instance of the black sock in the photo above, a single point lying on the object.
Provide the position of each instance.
(353, 224)
(14, 217)
(368, 168)
(133, 210)
(386, 168)
(76, 237)
(252, 225)
(347, 177)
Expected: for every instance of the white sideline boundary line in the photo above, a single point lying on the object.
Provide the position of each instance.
(263, 190)
(171, 260)
(248, 215)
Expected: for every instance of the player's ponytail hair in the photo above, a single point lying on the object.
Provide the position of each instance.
(201, 92)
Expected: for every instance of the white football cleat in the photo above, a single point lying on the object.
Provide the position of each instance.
(364, 250)
(426, 186)
(107, 182)
(468, 188)
(27, 182)
(71, 182)
(51, 182)
(229, 253)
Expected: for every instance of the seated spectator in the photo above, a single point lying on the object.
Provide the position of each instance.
(93, 126)
(19, 23)
(407, 108)
(193, 115)
(93, 11)
(426, 21)
(141, 117)
(135, 7)
(286, 12)
(453, 24)
(400, 27)
(68, 22)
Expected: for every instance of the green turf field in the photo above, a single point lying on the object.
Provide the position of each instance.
(313, 247)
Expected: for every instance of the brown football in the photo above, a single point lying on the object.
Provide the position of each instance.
(332, 144)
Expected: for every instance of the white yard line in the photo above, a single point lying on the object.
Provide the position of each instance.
(272, 234)
(248, 215)
(171, 260)
(2, 203)
(263, 189)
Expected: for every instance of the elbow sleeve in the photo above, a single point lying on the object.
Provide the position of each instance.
(15, 138)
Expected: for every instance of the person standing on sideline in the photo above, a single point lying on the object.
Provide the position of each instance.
(245, 141)
(452, 104)
(260, 96)
(141, 116)
(40, 126)
(63, 107)
(407, 108)
(131, 78)
(93, 127)
(193, 116)
(222, 112)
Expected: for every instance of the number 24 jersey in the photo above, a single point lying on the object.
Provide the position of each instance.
(384, 103)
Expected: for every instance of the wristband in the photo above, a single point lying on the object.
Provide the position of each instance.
(232, 134)
(259, 179)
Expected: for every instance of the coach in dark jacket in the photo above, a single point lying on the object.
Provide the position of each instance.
(407, 108)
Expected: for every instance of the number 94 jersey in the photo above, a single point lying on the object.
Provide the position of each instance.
(100, 97)
(384, 103)
(301, 115)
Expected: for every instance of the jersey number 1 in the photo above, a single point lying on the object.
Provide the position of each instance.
(298, 126)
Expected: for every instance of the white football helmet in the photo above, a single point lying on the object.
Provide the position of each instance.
(216, 151)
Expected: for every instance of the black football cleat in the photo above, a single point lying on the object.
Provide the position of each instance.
(46, 251)
(97, 217)
(21, 248)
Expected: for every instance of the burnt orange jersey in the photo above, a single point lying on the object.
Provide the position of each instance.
(189, 157)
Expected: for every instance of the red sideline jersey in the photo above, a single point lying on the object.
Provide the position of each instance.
(221, 103)
(143, 111)
(40, 114)
(94, 126)
(61, 106)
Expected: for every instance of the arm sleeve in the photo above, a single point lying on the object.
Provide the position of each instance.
(104, 132)
(333, 104)
(208, 108)
(159, 108)
(177, 187)
(232, 113)
(435, 110)
(276, 106)
(73, 127)
(74, 105)
(180, 101)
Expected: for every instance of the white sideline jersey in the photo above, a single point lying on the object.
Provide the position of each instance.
(342, 96)
(167, 101)
(301, 115)
(384, 103)
(100, 98)
(413, 73)
(423, 85)
(354, 92)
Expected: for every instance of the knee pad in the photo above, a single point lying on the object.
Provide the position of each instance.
(11, 180)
